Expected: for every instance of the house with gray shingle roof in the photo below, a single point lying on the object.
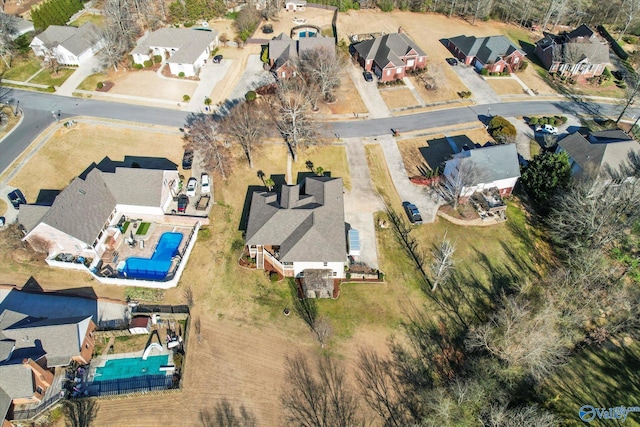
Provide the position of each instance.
(185, 50)
(578, 52)
(19, 25)
(390, 56)
(285, 52)
(607, 155)
(84, 214)
(67, 45)
(301, 228)
(495, 53)
(488, 167)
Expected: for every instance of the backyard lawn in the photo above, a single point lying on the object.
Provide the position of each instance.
(97, 20)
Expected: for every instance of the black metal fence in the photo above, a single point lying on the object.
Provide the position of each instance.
(130, 385)
(30, 413)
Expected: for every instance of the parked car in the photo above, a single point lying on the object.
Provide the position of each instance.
(368, 76)
(217, 59)
(452, 61)
(267, 28)
(17, 198)
(547, 129)
(183, 201)
(192, 184)
(205, 184)
(412, 212)
(187, 159)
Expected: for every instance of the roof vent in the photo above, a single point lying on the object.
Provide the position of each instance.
(82, 192)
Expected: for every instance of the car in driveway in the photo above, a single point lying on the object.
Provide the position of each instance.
(267, 28)
(368, 76)
(452, 61)
(183, 202)
(552, 130)
(205, 183)
(187, 159)
(192, 184)
(217, 59)
(17, 198)
(412, 212)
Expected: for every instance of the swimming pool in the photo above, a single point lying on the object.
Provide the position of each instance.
(307, 34)
(156, 267)
(116, 369)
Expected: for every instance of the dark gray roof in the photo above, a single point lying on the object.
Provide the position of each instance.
(606, 151)
(75, 40)
(136, 186)
(188, 43)
(310, 228)
(32, 215)
(388, 49)
(5, 404)
(487, 50)
(16, 381)
(283, 48)
(583, 43)
(493, 162)
(20, 26)
(6, 347)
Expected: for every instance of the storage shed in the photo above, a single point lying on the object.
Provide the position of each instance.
(140, 325)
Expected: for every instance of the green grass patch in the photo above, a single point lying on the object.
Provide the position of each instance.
(144, 294)
(21, 68)
(125, 226)
(143, 228)
(604, 377)
(46, 78)
(97, 20)
(91, 82)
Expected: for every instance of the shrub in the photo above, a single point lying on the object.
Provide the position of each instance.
(100, 85)
(563, 119)
(273, 276)
(51, 89)
(606, 74)
(181, 74)
(137, 66)
(250, 96)
(386, 5)
(502, 130)
(542, 121)
(188, 24)
(533, 121)
(484, 72)
(148, 63)
(465, 94)
(524, 65)
(186, 98)
(157, 59)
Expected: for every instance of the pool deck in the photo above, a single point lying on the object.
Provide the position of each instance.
(100, 361)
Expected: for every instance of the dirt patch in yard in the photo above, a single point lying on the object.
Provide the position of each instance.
(398, 97)
(505, 86)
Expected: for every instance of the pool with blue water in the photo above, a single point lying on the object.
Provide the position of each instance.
(116, 369)
(156, 267)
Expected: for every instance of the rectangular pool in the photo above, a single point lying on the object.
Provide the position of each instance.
(156, 267)
(116, 369)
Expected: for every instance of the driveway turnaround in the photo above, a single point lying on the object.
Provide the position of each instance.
(482, 93)
(362, 202)
(369, 93)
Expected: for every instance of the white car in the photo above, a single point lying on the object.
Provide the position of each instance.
(192, 184)
(547, 129)
(205, 185)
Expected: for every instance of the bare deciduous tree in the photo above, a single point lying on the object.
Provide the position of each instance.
(188, 296)
(630, 9)
(459, 179)
(319, 396)
(322, 68)
(499, 415)
(7, 32)
(80, 412)
(442, 265)
(225, 415)
(247, 123)
(203, 136)
(631, 93)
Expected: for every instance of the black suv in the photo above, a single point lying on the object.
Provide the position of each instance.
(217, 59)
(187, 159)
(267, 28)
(17, 198)
(183, 202)
(368, 76)
(413, 213)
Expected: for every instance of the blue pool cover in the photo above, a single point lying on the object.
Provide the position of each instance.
(156, 267)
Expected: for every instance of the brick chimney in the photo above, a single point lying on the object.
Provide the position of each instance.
(400, 30)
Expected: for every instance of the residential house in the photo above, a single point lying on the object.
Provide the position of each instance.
(578, 52)
(606, 155)
(185, 50)
(82, 219)
(284, 52)
(495, 53)
(301, 228)
(389, 57)
(67, 45)
(31, 348)
(295, 5)
(20, 26)
(478, 169)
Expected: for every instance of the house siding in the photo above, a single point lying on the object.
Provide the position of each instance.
(59, 241)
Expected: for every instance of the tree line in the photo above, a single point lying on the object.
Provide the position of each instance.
(54, 12)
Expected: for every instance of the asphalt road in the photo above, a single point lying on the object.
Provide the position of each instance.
(40, 108)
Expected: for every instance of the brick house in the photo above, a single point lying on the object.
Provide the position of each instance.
(389, 57)
(284, 52)
(495, 53)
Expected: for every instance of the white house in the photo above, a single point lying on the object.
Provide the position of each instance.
(83, 217)
(301, 228)
(295, 5)
(483, 168)
(67, 45)
(185, 50)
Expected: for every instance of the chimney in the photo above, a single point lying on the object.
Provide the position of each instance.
(289, 196)
(400, 30)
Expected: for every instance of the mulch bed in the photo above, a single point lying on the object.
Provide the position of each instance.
(106, 87)
(464, 211)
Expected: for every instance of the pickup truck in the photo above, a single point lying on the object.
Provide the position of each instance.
(203, 202)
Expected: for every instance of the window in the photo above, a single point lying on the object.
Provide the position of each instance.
(410, 63)
(388, 72)
(324, 263)
(398, 70)
(334, 274)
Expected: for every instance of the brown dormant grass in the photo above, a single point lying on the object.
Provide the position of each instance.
(505, 86)
(397, 98)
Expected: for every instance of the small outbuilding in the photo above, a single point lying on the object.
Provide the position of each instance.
(140, 325)
(295, 5)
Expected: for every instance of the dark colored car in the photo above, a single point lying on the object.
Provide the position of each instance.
(368, 76)
(187, 159)
(217, 59)
(412, 212)
(183, 201)
(452, 61)
(17, 198)
(267, 29)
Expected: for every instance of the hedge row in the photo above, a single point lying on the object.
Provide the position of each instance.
(613, 43)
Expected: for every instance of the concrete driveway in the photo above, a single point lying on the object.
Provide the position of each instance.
(362, 202)
(526, 133)
(91, 66)
(368, 92)
(254, 76)
(210, 75)
(482, 92)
